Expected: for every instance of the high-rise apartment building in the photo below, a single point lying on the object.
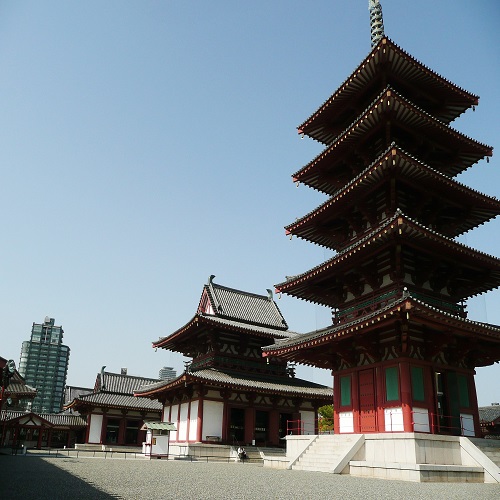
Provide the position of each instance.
(44, 365)
(167, 373)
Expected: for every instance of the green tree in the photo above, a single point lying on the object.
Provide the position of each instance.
(325, 419)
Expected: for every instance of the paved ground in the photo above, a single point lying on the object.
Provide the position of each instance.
(35, 477)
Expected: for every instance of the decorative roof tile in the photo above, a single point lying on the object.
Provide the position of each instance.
(404, 111)
(169, 342)
(401, 223)
(340, 330)
(245, 307)
(276, 385)
(121, 384)
(401, 63)
(488, 414)
(58, 420)
(396, 159)
(117, 401)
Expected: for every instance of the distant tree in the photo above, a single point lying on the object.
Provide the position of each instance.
(325, 418)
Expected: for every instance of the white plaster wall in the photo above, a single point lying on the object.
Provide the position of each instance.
(393, 419)
(308, 421)
(95, 428)
(182, 434)
(421, 420)
(161, 446)
(193, 421)
(166, 414)
(467, 422)
(173, 418)
(346, 422)
(212, 418)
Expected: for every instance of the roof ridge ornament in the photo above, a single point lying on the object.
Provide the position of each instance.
(376, 22)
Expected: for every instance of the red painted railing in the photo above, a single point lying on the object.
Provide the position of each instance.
(422, 421)
(302, 428)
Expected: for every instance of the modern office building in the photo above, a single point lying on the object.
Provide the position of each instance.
(167, 373)
(44, 366)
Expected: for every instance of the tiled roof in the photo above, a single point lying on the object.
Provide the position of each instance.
(117, 401)
(251, 328)
(292, 386)
(20, 389)
(169, 342)
(402, 64)
(72, 392)
(468, 151)
(58, 420)
(489, 414)
(245, 307)
(396, 161)
(319, 337)
(17, 385)
(399, 224)
(121, 384)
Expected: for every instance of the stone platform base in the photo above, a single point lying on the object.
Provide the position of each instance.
(405, 456)
(420, 473)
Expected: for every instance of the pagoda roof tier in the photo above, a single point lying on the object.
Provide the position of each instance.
(224, 379)
(475, 271)
(319, 348)
(444, 148)
(387, 63)
(200, 322)
(460, 207)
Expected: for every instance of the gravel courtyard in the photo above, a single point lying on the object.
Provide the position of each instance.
(34, 477)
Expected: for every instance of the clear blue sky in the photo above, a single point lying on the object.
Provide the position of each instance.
(146, 145)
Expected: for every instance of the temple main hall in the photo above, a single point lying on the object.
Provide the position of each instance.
(229, 394)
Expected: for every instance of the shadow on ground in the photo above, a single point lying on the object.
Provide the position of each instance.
(33, 477)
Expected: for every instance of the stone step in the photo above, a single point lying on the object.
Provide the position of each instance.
(321, 458)
(315, 465)
(325, 456)
(312, 468)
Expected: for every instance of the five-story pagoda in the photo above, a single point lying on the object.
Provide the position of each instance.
(401, 348)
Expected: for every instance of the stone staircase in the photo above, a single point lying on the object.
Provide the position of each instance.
(490, 447)
(329, 453)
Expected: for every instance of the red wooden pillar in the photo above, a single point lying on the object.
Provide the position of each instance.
(121, 431)
(40, 435)
(274, 427)
(87, 430)
(249, 425)
(178, 419)
(356, 409)
(3, 434)
(473, 403)
(104, 426)
(406, 399)
(225, 421)
(199, 420)
(336, 403)
(380, 398)
(188, 420)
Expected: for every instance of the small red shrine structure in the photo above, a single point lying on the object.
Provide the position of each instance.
(229, 393)
(401, 347)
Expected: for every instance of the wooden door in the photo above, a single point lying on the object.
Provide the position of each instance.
(367, 408)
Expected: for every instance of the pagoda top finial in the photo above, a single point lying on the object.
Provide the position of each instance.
(376, 21)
